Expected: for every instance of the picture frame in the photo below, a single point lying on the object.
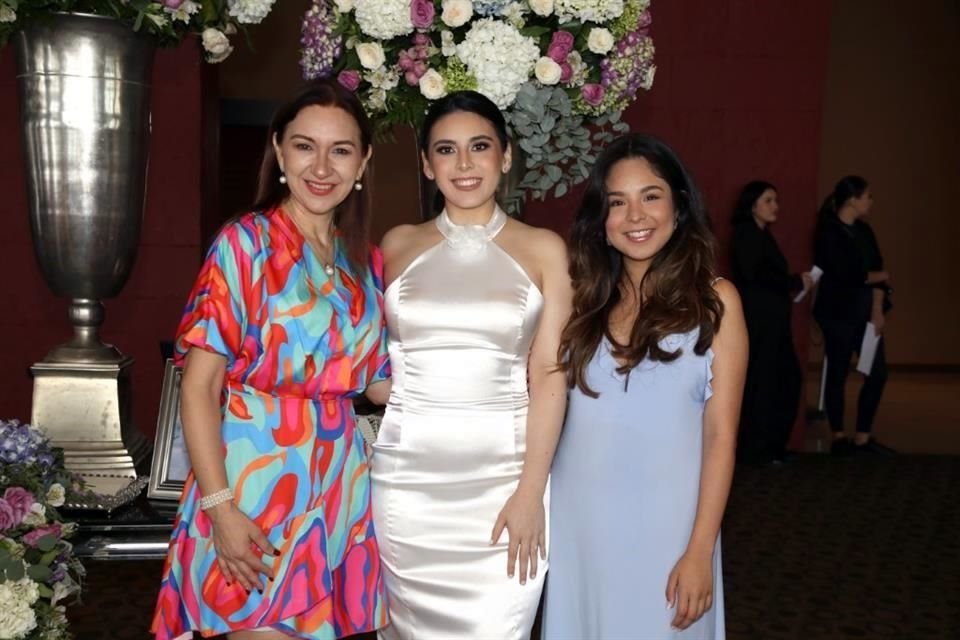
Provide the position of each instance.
(171, 462)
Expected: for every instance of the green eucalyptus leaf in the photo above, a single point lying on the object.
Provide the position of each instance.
(14, 571)
(553, 172)
(45, 591)
(561, 190)
(46, 543)
(39, 573)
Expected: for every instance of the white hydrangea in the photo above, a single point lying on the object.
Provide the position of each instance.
(7, 14)
(499, 57)
(249, 11)
(344, 6)
(383, 19)
(17, 618)
(588, 10)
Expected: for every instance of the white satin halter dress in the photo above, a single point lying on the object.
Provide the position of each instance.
(450, 449)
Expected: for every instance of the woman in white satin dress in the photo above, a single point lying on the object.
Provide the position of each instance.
(475, 305)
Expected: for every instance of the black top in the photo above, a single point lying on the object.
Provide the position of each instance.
(846, 253)
(761, 274)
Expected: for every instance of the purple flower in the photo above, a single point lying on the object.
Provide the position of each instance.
(33, 537)
(566, 72)
(561, 44)
(592, 94)
(20, 500)
(172, 4)
(349, 79)
(8, 519)
(421, 13)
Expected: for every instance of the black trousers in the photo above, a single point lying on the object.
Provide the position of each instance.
(771, 394)
(841, 342)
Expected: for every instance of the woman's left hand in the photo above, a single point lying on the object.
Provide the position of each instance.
(690, 588)
(524, 518)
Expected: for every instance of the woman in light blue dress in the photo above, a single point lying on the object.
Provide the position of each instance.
(656, 353)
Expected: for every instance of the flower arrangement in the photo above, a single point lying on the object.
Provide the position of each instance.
(562, 71)
(167, 20)
(37, 569)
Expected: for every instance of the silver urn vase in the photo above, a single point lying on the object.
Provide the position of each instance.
(84, 88)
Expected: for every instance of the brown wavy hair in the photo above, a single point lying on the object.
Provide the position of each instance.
(352, 217)
(676, 293)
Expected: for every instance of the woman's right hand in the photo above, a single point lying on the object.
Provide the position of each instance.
(236, 538)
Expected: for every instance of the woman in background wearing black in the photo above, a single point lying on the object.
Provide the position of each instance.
(853, 291)
(772, 391)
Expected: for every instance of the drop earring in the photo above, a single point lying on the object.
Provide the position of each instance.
(358, 186)
(283, 179)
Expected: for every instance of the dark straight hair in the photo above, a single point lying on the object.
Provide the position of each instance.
(751, 192)
(352, 216)
(676, 293)
(461, 101)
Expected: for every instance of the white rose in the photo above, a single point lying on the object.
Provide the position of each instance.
(600, 40)
(547, 70)
(216, 44)
(432, 85)
(7, 14)
(542, 7)
(345, 6)
(447, 45)
(36, 516)
(56, 495)
(370, 54)
(456, 13)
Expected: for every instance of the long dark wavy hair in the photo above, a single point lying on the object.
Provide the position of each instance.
(751, 192)
(352, 217)
(676, 293)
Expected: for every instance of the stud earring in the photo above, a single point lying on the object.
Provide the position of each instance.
(358, 186)
(283, 179)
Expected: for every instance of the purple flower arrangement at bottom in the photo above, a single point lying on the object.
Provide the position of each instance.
(38, 571)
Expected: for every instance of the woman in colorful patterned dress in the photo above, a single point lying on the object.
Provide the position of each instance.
(283, 327)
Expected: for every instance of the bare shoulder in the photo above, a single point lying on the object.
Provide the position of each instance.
(728, 294)
(545, 243)
(399, 239)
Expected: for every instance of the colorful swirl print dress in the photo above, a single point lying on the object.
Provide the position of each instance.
(299, 345)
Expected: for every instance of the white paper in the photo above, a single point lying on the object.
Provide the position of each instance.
(815, 274)
(868, 349)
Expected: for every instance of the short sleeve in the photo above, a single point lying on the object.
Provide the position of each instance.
(215, 316)
(381, 361)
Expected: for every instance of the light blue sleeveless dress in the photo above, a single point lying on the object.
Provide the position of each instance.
(625, 484)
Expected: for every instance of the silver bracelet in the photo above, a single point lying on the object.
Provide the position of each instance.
(215, 498)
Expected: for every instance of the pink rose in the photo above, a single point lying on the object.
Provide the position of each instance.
(411, 78)
(421, 13)
(8, 519)
(349, 79)
(592, 94)
(33, 537)
(20, 500)
(173, 4)
(561, 44)
(566, 72)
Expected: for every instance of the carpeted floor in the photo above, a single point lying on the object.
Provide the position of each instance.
(817, 548)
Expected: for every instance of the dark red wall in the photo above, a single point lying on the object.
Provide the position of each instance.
(147, 310)
(738, 93)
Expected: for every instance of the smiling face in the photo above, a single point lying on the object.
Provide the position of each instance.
(321, 156)
(766, 207)
(641, 217)
(466, 159)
